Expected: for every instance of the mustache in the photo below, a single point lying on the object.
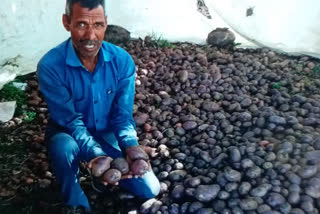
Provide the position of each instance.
(90, 42)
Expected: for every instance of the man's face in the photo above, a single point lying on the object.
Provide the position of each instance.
(87, 28)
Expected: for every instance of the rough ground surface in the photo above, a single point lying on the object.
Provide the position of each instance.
(238, 131)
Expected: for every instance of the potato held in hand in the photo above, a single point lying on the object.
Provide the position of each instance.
(112, 176)
(121, 164)
(137, 153)
(139, 167)
(100, 165)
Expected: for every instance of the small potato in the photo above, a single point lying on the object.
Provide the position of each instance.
(139, 167)
(100, 165)
(136, 153)
(120, 164)
(112, 176)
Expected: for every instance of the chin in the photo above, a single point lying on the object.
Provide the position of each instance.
(90, 54)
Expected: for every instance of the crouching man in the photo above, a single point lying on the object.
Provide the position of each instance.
(89, 86)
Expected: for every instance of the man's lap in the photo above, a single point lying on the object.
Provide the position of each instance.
(146, 187)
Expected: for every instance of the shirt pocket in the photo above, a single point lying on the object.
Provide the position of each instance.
(109, 96)
(110, 93)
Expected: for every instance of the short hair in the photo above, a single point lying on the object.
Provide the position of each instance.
(90, 4)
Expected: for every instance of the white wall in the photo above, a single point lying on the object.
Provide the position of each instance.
(30, 28)
(292, 26)
(175, 20)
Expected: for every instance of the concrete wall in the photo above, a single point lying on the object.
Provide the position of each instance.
(28, 29)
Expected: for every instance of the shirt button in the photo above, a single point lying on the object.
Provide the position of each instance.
(95, 102)
(97, 120)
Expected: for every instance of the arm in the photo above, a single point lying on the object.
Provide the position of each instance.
(62, 111)
(121, 118)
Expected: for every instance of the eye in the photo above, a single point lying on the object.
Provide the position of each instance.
(81, 25)
(98, 25)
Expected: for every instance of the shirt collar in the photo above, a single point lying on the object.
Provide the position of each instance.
(72, 58)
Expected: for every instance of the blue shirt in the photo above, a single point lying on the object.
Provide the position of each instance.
(83, 102)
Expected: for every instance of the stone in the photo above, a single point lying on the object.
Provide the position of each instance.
(117, 35)
(221, 37)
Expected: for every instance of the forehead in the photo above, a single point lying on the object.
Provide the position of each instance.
(79, 12)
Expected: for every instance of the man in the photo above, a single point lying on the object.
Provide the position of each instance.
(88, 85)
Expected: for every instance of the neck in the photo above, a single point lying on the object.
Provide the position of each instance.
(89, 63)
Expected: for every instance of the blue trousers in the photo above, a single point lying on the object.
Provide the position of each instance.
(65, 155)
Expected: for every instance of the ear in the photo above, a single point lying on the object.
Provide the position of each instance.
(66, 22)
(105, 17)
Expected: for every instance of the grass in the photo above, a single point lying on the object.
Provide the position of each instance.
(160, 42)
(276, 85)
(12, 155)
(29, 201)
(11, 93)
(236, 44)
(29, 116)
(316, 72)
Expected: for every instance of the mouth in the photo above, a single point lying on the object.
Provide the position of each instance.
(90, 47)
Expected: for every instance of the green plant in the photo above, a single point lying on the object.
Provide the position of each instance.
(276, 85)
(29, 116)
(160, 42)
(236, 44)
(11, 93)
(316, 71)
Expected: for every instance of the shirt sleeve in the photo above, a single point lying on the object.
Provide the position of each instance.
(121, 120)
(62, 110)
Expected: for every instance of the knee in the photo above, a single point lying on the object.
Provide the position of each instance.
(62, 146)
(152, 189)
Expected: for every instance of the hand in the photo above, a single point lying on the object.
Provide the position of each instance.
(152, 152)
(99, 165)
(136, 153)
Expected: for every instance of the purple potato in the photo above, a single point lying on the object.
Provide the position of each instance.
(136, 153)
(100, 165)
(120, 164)
(139, 167)
(112, 176)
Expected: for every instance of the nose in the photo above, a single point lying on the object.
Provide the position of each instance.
(90, 33)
